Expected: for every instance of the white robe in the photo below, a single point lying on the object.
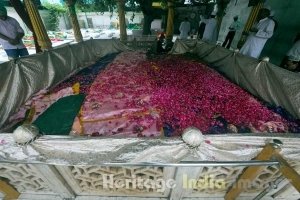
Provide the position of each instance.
(210, 33)
(256, 41)
(294, 52)
(184, 29)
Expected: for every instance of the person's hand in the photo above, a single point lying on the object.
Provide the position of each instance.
(254, 30)
(14, 41)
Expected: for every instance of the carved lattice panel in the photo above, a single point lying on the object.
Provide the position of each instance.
(25, 178)
(215, 179)
(218, 179)
(119, 181)
(264, 180)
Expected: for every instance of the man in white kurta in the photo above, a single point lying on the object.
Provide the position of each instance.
(11, 35)
(184, 29)
(210, 32)
(294, 52)
(293, 58)
(259, 35)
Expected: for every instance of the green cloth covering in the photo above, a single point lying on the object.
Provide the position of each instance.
(59, 117)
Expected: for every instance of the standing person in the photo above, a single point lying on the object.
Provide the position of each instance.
(259, 34)
(201, 28)
(184, 28)
(231, 33)
(292, 59)
(210, 33)
(11, 35)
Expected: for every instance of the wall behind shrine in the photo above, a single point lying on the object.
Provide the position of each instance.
(98, 20)
(12, 13)
(287, 13)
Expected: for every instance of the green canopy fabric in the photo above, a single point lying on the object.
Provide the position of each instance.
(59, 117)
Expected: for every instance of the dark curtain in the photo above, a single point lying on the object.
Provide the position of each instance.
(20, 9)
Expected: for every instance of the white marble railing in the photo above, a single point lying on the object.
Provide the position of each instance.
(66, 167)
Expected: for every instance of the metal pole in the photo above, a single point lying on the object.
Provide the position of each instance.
(38, 26)
(200, 164)
(180, 164)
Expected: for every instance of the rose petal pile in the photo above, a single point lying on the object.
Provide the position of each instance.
(134, 96)
(191, 94)
(119, 100)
